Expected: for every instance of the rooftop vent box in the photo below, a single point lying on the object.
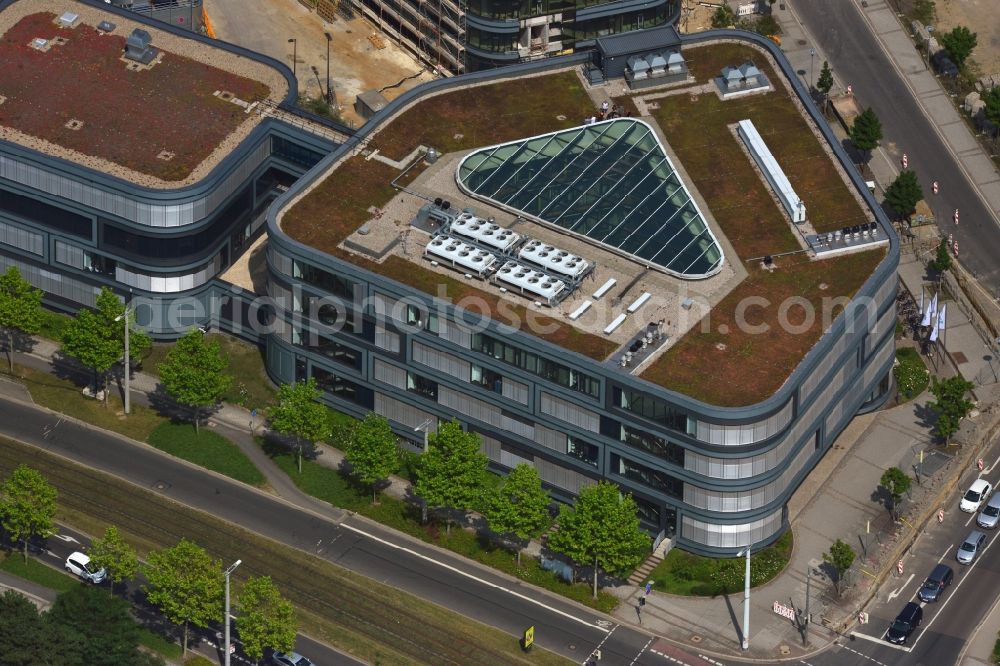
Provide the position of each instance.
(68, 20)
(139, 48)
(106, 26)
(40, 44)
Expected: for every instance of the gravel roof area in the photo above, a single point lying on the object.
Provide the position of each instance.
(169, 44)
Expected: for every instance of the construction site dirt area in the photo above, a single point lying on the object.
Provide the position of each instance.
(979, 16)
(361, 57)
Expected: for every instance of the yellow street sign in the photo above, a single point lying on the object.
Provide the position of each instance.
(529, 637)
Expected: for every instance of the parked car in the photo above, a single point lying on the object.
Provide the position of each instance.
(908, 619)
(971, 547)
(939, 578)
(977, 493)
(79, 564)
(990, 513)
(289, 659)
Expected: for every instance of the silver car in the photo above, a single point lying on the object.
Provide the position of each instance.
(990, 514)
(971, 547)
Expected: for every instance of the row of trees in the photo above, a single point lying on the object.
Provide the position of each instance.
(184, 581)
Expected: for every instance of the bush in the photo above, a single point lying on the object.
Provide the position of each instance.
(910, 372)
(693, 575)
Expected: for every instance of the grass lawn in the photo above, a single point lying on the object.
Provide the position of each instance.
(64, 396)
(53, 324)
(329, 485)
(208, 449)
(374, 622)
(37, 572)
(692, 575)
(251, 386)
(160, 644)
(911, 374)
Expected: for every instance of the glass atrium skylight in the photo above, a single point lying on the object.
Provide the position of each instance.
(611, 182)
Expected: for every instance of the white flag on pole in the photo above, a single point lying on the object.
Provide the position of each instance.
(921, 300)
(941, 322)
(931, 312)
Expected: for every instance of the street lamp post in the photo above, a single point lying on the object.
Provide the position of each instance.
(425, 427)
(746, 599)
(295, 61)
(230, 570)
(128, 363)
(329, 93)
(812, 57)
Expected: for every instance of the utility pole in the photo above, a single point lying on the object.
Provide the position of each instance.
(746, 599)
(295, 62)
(128, 361)
(805, 622)
(229, 571)
(329, 92)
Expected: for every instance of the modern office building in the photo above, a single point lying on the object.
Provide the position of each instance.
(146, 177)
(459, 37)
(570, 291)
(186, 14)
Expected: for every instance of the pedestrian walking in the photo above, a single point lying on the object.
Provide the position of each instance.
(604, 107)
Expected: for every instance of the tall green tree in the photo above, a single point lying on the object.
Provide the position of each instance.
(112, 553)
(520, 506)
(194, 373)
(105, 632)
(25, 638)
(20, 308)
(951, 405)
(298, 415)
(896, 483)
(371, 451)
(187, 584)
(266, 619)
(824, 83)
(840, 557)
(97, 341)
(767, 26)
(903, 194)
(602, 531)
(452, 472)
(866, 132)
(27, 506)
(942, 258)
(724, 17)
(959, 43)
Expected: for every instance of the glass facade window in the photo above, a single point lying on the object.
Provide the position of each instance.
(294, 152)
(655, 479)
(536, 364)
(654, 444)
(46, 215)
(651, 409)
(156, 249)
(581, 450)
(342, 388)
(611, 25)
(333, 350)
(494, 42)
(487, 378)
(325, 280)
(648, 512)
(421, 386)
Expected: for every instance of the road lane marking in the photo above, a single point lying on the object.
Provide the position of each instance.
(862, 654)
(895, 593)
(66, 538)
(599, 646)
(468, 575)
(991, 467)
(880, 641)
(632, 663)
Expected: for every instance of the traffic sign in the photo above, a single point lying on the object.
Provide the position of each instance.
(529, 637)
(232, 648)
(253, 413)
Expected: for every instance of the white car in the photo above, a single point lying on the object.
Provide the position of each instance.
(977, 493)
(79, 564)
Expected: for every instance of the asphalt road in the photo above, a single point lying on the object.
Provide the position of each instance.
(845, 38)
(947, 623)
(68, 540)
(369, 549)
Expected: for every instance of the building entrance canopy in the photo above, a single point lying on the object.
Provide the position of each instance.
(610, 182)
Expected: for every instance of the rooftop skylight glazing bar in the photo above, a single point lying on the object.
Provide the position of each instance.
(614, 152)
(647, 179)
(496, 160)
(523, 155)
(604, 198)
(664, 235)
(588, 131)
(529, 169)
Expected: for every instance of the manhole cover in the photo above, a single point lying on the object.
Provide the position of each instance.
(959, 357)
(784, 649)
(161, 485)
(571, 646)
(696, 639)
(801, 42)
